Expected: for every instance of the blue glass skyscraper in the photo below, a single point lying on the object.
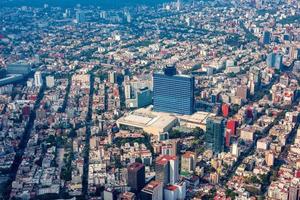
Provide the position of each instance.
(271, 57)
(274, 60)
(173, 93)
(214, 135)
(266, 37)
(278, 61)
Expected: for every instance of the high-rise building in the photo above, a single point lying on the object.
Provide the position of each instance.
(167, 169)
(266, 37)
(50, 81)
(214, 135)
(152, 191)
(235, 149)
(162, 171)
(242, 92)
(173, 93)
(38, 81)
(254, 80)
(143, 97)
(278, 61)
(112, 76)
(274, 60)
(80, 17)
(127, 91)
(188, 162)
(225, 109)
(136, 176)
(230, 131)
(178, 5)
(271, 59)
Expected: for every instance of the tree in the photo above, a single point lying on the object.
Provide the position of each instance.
(230, 193)
(139, 160)
(231, 75)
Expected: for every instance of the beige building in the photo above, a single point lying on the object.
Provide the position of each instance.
(188, 161)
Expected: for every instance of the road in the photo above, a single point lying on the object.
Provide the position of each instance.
(23, 143)
(85, 175)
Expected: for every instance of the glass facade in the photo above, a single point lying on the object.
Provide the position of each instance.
(214, 135)
(173, 93)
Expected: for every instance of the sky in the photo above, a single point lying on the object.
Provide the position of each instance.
(71, 3)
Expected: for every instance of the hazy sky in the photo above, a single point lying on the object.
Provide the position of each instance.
(71, 3)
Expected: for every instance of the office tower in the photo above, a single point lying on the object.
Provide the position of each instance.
(50, 81)
(112, 76)
(162, 171)
(152, 191)
(254, 81)
(80, 17)
(67, 12)
(38, 81)
(230, 131)
(271, 59)
(178, 5)
(127, 90)
(214, 135)
(166, 169)
(128, 18)
(242, 92)
(274, 60)
(188, 162)
(278, 61)
(103, 14)
(266, 37)
(144, 97)
(173, 93)
(227, 137)
(225, 109)
(294, 53)
(232, 125)
(136, 176)
(235, 149)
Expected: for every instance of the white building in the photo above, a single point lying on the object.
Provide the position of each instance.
(50, 81)
(235, 150)
(174, 169)
(38, 81)
(112, 76)
(127, 91)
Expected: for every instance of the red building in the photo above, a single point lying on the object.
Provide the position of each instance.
(249, 113)
(227, 137)
(116, 91)
(232, 125)
(225, 109)
(297, 173)
(26, 111)
(230, 131)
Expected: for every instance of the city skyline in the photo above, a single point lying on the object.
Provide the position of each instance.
(150, 100)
